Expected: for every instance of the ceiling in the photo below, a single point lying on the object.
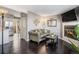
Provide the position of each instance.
(43, 10)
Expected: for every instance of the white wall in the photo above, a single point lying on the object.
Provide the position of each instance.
(6, 33)
(30, 25)
(6, 36)
(23, 27)
(0, 38)
(57, 29)
(30, 18)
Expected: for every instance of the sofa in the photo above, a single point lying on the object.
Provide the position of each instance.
(37, 34)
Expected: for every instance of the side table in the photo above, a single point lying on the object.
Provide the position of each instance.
(51, 40)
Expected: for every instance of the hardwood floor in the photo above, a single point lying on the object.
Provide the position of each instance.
(34, 48)
(24, 47)
(20, 46)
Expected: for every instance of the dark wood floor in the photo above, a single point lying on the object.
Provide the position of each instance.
(34, 48)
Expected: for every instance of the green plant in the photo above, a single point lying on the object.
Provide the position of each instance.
(76, 29)
(74, 47)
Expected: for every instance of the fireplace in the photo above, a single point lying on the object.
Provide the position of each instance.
(69, 31)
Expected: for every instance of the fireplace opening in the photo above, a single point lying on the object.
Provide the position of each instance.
(69, 31)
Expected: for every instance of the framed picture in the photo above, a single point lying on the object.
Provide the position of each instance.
(52, 23)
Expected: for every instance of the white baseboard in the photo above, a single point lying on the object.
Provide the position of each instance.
(26, 40)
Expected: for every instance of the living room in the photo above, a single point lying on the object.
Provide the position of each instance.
(41, 28)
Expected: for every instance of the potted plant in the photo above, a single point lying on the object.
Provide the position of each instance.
(76, 29)
(74, 47)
